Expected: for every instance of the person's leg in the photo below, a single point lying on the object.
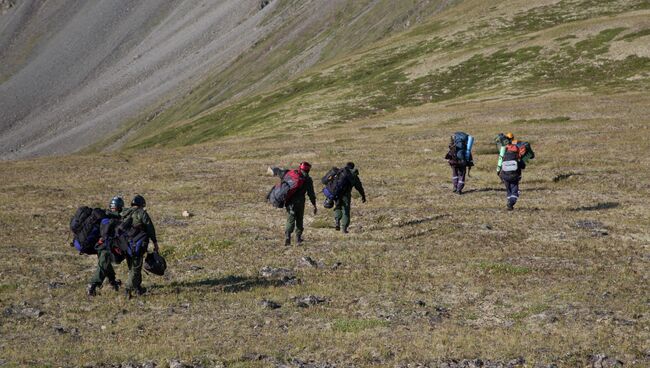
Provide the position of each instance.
(300, 215)
(461, 171)
(345, 206)
(290, 225)
(454, 177)
(104, 270)
(338, 214)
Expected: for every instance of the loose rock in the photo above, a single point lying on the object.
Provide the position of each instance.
(269, 304)
(308, 301)
(268, 272)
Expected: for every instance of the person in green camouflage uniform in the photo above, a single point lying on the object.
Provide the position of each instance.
(344, 203)
(137, 220)
(104, 266)
(295, 206)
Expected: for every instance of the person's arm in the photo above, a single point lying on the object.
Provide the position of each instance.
(150, 230)
(311, 193)
(359, 187)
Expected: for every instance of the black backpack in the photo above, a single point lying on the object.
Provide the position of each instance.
(336, 182)
(85, 227)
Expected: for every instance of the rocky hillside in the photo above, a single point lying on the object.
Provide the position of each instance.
(73, 72)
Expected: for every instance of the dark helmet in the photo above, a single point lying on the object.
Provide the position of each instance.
(117, 204)
(350, 165)
(139, 201)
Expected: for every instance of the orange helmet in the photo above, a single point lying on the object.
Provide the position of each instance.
(509, 135)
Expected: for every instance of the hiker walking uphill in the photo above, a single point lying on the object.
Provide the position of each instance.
(513, 156)
(290, 194)
(136, 230)
(460, 159)
(338, 190)
(107, 242)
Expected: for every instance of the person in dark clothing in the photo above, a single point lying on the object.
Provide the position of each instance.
(295, 205)
(343, 206)
(459, 168)
(509, 168)
(104, 266)
(138, 229)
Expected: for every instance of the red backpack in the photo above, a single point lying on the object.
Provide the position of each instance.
(295, 181)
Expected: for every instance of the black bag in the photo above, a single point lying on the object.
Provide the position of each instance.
(85, 225)
(155, 263)
(336, 183)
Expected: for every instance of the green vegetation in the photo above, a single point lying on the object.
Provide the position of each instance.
(356, 325)
(633, 36)
(557, 119)
(503, 269)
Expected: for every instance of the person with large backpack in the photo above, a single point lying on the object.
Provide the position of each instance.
(104, 247)
(460, 159)
(290, 194)
(509, 168)
(135, 232)
(338, 189)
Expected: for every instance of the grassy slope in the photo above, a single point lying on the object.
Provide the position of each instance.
(513, 53)
(497, 285)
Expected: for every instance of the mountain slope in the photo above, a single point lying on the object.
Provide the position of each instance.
(72, 72)
(471, 50)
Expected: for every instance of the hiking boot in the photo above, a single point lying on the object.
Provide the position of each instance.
(299, 239)
(337, 225)
(140, 290)
(455, 190)
(287, 241)
(510, 206)
(344, 230)
(459, 192)
(115, 284)
(127, 294)
(91, 290)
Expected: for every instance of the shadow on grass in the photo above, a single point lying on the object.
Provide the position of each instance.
(228, 284)
(500, 189)
(598, 206)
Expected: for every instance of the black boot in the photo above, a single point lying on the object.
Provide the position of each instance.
(337, 225)
(344, 230)
(115, 284)
(140, 290)
(91, 290)
(287, 239)
(299, 239)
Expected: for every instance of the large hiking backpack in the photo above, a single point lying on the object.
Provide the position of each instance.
(85, 226)
(108, 231)
(525, 151)
(337, 181)
(281, 193)
(511, 165)
(131, 239)
(463, 143)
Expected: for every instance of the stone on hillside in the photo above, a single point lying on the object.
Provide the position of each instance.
(270, 272)
(308, 301)
(269, 304)
(175, 363)
(336, 265)
(307, 261)
(603, 361)
(187, 214)
(31, 312)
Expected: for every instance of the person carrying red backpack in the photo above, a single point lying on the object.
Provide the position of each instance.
(509, 168)
(295, 202)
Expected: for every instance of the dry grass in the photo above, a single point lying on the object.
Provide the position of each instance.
(496, 285)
